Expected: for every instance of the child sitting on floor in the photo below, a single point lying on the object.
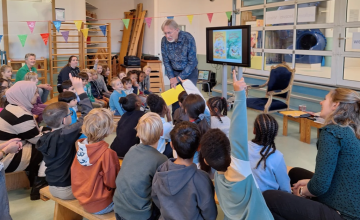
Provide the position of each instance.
(236, 189)
(38, 106)
(85, 76)
(95, 166)
(6, 73)
(101, 79)
(158, 106)
(3, 101)
(179, 180)
(128, 88)
(267, 164)
(146, 82)
(133, 184)
(58, 146)
(133, 75)
(218, 112)
(179, 114)
(140, 80)
(95, 89)
(126, 135)
(116, 95)
(121, 75)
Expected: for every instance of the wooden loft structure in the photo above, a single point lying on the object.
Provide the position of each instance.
(97, 45)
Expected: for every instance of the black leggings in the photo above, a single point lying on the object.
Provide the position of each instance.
(285, 206)
(168, 151)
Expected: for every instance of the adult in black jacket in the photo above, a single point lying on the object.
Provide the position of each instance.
(125, 131)
(71, 68)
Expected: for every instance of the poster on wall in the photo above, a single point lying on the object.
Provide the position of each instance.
(60, 14)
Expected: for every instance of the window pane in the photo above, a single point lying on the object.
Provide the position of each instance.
(281, 39)
(256, 39)
(349, 37)
(314, 39)
(245, 3)
(351, 68)
(283, 15)
(272, 1)
(316, 12)
(272, 59)
(312, 65)
(256, 61)
(353, 11)
(254, 18)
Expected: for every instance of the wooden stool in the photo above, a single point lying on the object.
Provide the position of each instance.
(17, 180)
(308, 124)
(302, 128)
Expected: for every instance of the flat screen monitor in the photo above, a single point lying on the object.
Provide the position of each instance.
(204, 75)
(228, 45)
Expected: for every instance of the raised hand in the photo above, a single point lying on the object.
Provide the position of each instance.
(77, 83)
(239, 85)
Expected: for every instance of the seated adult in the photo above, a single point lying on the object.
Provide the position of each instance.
(17, 121)
(70, 67)
(30, 60)
(334, 187)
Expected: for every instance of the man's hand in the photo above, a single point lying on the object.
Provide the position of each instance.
(173, 82)
(239, 85)
(77, 83)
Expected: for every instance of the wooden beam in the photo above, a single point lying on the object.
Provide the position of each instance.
(5, 27)
(53, 10)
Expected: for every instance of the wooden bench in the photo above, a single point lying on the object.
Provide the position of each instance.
(71, 209)
(17, 180)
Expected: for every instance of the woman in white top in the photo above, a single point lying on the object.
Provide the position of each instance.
(218, 112)
(158, 105)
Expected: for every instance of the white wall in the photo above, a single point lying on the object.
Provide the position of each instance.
(112, 9)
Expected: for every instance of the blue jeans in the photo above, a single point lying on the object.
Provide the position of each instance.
(4, 201)
(43, 93)
(108, 209)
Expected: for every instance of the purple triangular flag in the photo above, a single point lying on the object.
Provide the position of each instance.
(103, 29)
(170, 17)
(148, 21)
(65, 34)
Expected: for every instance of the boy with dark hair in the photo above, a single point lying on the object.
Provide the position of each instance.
(58, 146)
(178, 180)
(128, 89)
(69, 98)
(84, 76)
(236, 189)
(67, 86)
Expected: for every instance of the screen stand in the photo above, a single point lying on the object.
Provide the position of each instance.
(224, 82)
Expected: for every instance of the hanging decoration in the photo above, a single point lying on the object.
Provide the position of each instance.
(31, 25)
(57, 25)
(1, 37)
(65, 35)
(228, 14)
(85, 32)
(103, 29)
(22, 38)
(170, 17)
(210, 16)
(45, 37)
(78, 24)
(148, 21)
(126, 22)
(190, 17)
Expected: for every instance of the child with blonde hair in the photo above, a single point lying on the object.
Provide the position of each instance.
(145, 84)
(95, 89)
(116, 95)
(95, 166)
(38, 106)
(133, 184)
(103, 71)
(6, 73)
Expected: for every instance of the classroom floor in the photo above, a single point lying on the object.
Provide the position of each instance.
(296, 153)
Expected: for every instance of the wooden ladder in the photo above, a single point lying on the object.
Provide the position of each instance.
(137, 30)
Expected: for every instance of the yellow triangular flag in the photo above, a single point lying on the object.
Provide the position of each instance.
(78, 24)
(85, 32)
(190, 17)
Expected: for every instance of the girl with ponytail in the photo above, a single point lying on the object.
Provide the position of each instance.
(218, 112)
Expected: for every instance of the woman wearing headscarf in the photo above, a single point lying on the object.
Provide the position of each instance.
(17, 121)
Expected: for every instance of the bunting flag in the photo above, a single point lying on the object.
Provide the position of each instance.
(1, 37)
(170, 17)
(22, 38)
(57, 25)
(228, 14)
(45, 37)
(78, 24)
(210, 15)
(126, 22)
(148, 21)
(103, 29)
(85, 32)
(31, 25)
(65, 35)
(190, 17)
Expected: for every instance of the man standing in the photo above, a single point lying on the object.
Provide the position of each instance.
(178, 50)
(30, 60)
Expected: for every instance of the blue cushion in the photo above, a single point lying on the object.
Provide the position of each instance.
(259, 104)
(279, 79)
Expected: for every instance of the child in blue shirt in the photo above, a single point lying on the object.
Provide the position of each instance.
(119, 92)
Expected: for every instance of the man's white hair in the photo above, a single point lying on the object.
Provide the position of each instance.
(170, 23)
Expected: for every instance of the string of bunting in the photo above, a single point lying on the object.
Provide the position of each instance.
(85, 31)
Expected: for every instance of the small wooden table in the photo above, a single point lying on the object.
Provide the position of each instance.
(126, 69)
(308, 124)
(302, 128)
